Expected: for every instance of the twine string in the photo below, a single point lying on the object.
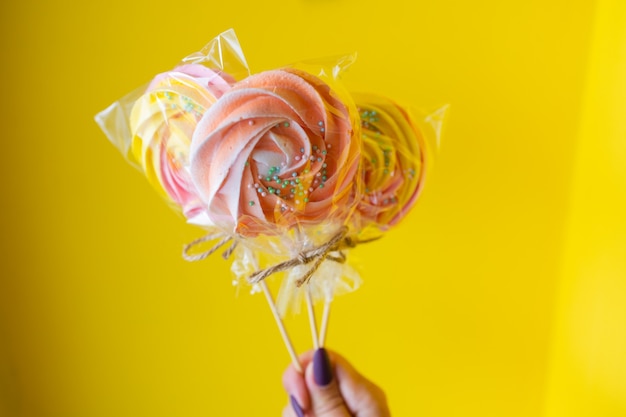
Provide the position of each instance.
(226, 254)
(316, 255)
(203, 255)
(332, 250)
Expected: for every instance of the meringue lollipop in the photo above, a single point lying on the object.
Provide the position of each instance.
(275, 152)
(162, 122)
(393, 161)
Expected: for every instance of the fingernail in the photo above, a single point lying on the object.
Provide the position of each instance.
(296, 407)
(322, 372)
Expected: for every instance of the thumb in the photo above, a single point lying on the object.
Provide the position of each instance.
(326, 398)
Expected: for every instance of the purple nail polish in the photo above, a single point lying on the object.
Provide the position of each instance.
(296, 407)
(322, 372)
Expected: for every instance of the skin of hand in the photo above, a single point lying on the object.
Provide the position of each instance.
(331, 387)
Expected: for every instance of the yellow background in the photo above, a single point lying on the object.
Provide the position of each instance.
(502, 294)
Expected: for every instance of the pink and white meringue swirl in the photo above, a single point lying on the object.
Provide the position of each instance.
(277, 151)
(393, 161)
(162, 122)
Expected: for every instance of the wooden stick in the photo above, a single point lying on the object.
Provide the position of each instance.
(281, 327)
(312, 321)
(325, 318)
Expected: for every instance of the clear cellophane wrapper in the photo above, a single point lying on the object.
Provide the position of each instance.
(284, 165)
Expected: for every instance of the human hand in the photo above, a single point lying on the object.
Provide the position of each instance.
(331, 387)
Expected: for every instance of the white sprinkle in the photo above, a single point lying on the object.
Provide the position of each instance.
(297, 158)
(263, 194)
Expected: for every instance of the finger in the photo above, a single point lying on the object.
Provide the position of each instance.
(362, 397)
(326, 399)
(294, 383)
(288, 411)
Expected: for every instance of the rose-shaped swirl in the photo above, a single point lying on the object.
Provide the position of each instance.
(393, 161)
(162, 122)
(276, 151)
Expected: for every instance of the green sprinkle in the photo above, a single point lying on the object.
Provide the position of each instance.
(251, 203)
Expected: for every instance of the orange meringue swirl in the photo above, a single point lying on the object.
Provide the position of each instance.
(393, 161)
(277, 151)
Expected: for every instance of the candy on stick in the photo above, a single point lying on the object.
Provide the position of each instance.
(162, 122)
(394, 162)
(278, 155)
(394, 159)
